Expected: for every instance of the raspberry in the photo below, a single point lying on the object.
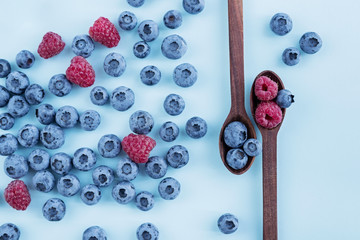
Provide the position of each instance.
(104, 32)
(265, 88)
(138, 147)
(51, 45)
(80, 72)
(17, 195)
(268, 114)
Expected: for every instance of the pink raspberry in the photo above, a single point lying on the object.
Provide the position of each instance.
(105, 32)
(17, 195)
(268, 114)
(138, 147)
(80, 72)
(265, 88)
(51, 45)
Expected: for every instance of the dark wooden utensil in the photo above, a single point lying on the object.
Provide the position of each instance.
(237, 110)
(269, 142)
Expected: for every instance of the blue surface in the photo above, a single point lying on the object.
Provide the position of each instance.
(318, 196)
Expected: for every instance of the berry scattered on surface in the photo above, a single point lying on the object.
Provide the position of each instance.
(169, 188)
(174, 104)
(114, 64)
(6, 121)
(17, 82)
(54, 209)
(150, 75)
(59, 85)
(127, 20)
(126, 170)
(8, 144)
(103, 176)
(173, 47)
(4, 96)
(45, 114)
(17, 195)
(268, 114)
(80, 72)
(177, 156)
(156, 167)
(90, 194)
(9, 231)
(310, 42)
(28, 135)
(138, 147)
(39, 159)
(83, 45)
(172, 19)
(169, 131)
(25, 59)
(252, 147)
(94, 233)
(148, 30)
(61, 163)
(34, 94)
(124, 192)
(104, 32)
(236, 158)
(228, 223)
(235, 134)
(67, 117)
(122, 98)
(99, 96)
(136, 3)
(265, 88)
(43, 181)
(291, 56)
(90, 120)
(141, 122)
(147, 231)
(84, 159)
(109, 146)
(141, 49)
(68, 185)
(185, 75)
(196, 127)
(284, 98)
(16, 166)
(193, 6)
(51, 45)
(281, 24)
(5, 68)
(18, 107)
(144, 200)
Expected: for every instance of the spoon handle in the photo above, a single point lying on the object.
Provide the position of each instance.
(269, 185)
(236, 41)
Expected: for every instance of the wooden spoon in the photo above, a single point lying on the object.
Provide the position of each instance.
(269, 142)
(237, 110)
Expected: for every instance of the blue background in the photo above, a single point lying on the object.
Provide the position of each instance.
(318, 162)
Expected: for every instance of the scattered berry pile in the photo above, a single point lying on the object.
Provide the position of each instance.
(310, 42)
(53, 171)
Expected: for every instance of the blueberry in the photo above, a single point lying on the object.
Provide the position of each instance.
(109, 146)
(34, 94)
(147, 231)
(8, 144)
(150, 75)
(90, 120)
(174, 104)
(141, 122)
(281, 24)
(9, 231)
(136, 3)
(45, 114)
(52, 136)
(122, 98)
(16, 166)
(144, 200)
(6, 121)
(169, 131)
(28, 135)
(99, 96)
(68, 185)
(126, 170)
(84, 159)
(4, 96)
(291, 56)
(228, 223)
(173, 19)
(66, 117)
(60, 163)
(148, 30)
(114, 64)
(193, 6)
(196, 127)
(169, 188)
(235, 134)
(39, 159)
(252, 147)
(185, 75)
(16, 82)
(90, 194)
(25, 59)
(5, 68)
(103, 176)
(94, 233)
(156, 167)
(83, 45)
(177, 156)
(43, 181)
(236, 158)
(173, 47)
(310, 42)
(18, 107)
(141, 49)
(127, 20)
(54, 209)
(59, 85)
(284, 98)
(123, 192)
